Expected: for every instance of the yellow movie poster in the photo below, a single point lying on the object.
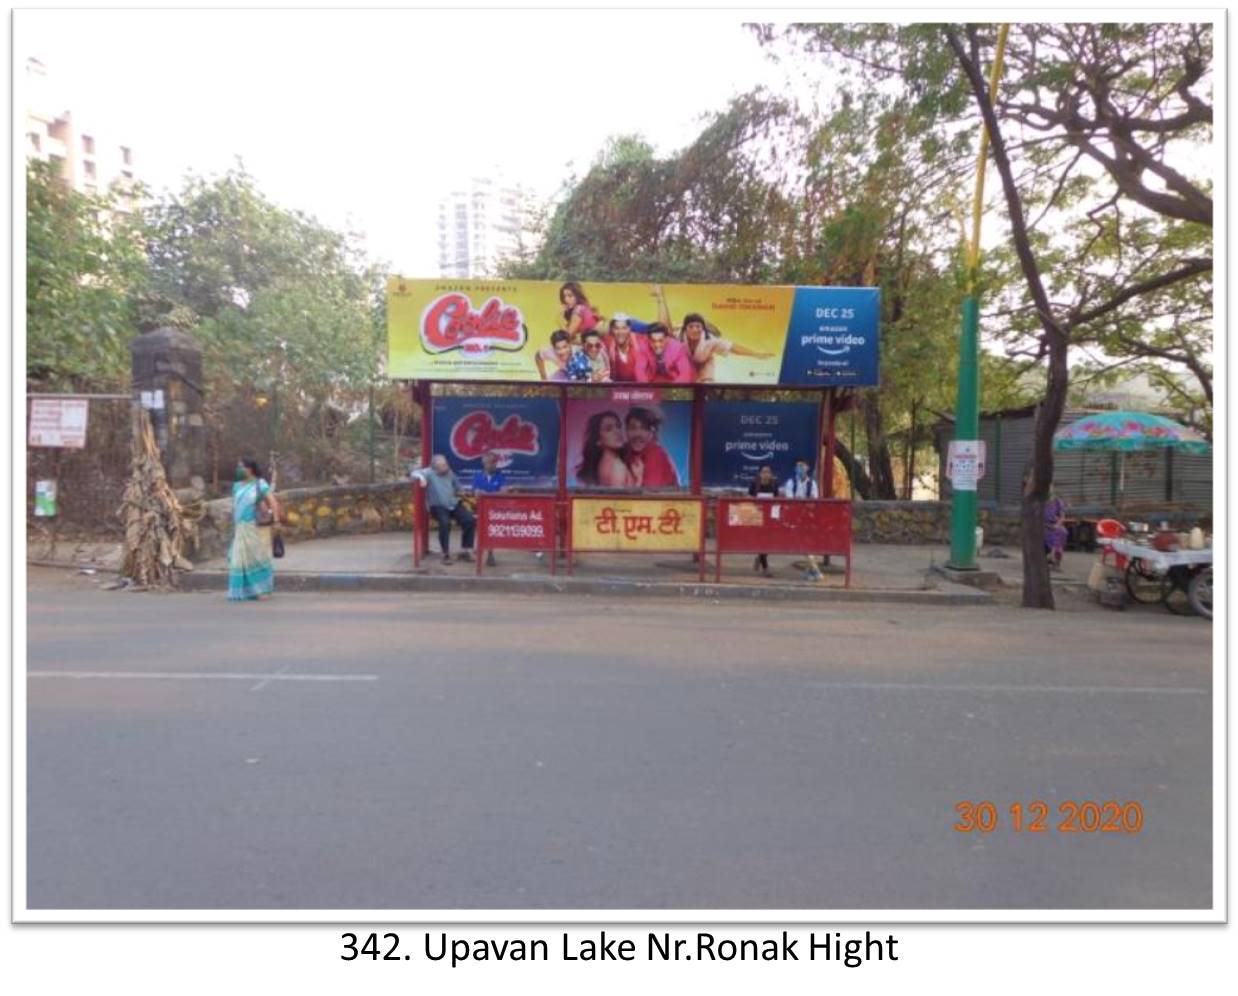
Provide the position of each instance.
(587, 333)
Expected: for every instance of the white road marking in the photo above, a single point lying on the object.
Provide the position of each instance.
(265, 681)
(872, 686)
(203, 676)
(895, 686)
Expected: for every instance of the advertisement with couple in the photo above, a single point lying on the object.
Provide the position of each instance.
(628, 444)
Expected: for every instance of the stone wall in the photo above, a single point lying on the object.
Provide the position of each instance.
(929, 521)
(925, 522)
(312, 513)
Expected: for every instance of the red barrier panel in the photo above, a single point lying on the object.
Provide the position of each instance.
(807, 526)
(516, 522)
(421, 524)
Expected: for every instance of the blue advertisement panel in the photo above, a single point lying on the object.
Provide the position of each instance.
(522, 432)
(742, 436)
(832, 340)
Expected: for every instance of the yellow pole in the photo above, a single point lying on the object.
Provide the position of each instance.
(973, 261)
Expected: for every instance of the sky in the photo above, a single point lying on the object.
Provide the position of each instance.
(364, 118)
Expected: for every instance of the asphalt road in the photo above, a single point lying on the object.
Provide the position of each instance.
(442, 752)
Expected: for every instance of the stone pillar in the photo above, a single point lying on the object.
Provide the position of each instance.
(169, 360)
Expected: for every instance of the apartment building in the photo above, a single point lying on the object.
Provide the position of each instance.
(89, 161)
(479, 225)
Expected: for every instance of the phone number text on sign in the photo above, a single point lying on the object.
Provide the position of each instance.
(517, 522)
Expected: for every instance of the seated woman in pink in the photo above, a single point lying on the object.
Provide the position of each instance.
(578, 314)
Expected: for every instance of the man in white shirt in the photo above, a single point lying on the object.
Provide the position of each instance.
(802, 485)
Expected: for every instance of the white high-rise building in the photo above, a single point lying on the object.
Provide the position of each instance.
(479, 225)
(86, 160)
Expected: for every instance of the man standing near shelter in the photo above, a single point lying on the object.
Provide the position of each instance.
(802, 485)
(443, 499)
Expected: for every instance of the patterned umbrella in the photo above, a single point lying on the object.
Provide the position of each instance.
(1128, 432)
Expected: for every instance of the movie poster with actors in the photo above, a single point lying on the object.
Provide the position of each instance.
(629, 440)
(586, 333)
(523, 433)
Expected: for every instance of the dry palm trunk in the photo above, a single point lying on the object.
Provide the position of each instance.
(157, 526)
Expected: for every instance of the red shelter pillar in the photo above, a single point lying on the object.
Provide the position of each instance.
(698, 437)
(427, 421)
(562, 489)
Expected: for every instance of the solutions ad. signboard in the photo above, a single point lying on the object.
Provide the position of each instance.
(509, 331)
(522, 432)
(743, 436)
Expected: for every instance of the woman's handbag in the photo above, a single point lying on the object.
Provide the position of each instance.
(277, 546)
(268, 511)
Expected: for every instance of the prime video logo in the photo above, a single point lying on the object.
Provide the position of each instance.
(823, 341)
(756, 451)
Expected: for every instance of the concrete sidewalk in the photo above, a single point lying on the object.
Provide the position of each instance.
(880, 572)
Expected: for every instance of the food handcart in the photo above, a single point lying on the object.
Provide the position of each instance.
(1173, 577)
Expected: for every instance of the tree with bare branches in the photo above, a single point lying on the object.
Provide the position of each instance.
(1100, 136)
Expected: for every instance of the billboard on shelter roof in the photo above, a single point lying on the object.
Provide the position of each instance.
(608, 333)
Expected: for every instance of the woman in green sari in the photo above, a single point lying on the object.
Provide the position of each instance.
(251, 573)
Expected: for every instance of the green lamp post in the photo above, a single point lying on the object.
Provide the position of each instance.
(967, 408)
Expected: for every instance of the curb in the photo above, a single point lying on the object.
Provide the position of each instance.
(291, 581)
(83, 566)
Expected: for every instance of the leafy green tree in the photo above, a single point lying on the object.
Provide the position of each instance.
(1107, 209)
(1103, 62)
(769, 193)
(84, 264)
(709, 213)
(284, 308)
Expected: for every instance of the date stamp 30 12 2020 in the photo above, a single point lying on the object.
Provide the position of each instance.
(1072, 816)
